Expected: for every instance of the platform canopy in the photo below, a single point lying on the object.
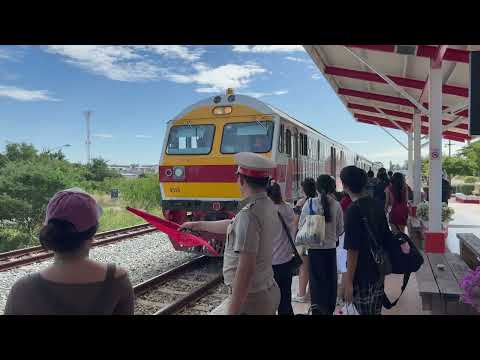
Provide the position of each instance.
(384, 84)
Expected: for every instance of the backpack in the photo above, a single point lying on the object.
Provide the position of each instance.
(389, 257)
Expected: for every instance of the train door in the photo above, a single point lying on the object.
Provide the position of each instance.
(296, 163)
(333, 161)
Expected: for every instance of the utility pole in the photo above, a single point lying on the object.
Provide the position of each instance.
(449, 148)
(88, 142)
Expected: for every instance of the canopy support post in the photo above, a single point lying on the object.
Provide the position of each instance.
(434, 238)
(410, 158)
(417, 156)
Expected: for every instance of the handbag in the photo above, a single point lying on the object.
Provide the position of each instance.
(296, 261)
(312, 231)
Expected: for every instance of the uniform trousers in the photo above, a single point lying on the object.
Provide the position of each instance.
(323, 280)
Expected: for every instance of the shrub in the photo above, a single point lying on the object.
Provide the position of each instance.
(14, 237)
(466, 189)
(470, 180)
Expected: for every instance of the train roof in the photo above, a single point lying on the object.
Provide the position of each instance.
(261, 107)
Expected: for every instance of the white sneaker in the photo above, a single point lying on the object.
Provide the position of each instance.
(299, 299)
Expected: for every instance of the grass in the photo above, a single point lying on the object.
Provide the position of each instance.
(116, 216)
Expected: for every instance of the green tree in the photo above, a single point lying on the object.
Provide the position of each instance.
(472, 154)
(33, 183)
(457, 166)
(18, 152)
(14, 209)
(99, 170)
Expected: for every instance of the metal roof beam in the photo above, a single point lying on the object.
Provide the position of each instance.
(427, 51)
(424, 130)
(400, 90)
(439, 55)
(387, 99)
(394, 138)
(405, 115)
(401, 81)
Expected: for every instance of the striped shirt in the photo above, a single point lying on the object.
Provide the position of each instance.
(282, 250)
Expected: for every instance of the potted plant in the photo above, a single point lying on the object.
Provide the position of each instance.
(447, 215)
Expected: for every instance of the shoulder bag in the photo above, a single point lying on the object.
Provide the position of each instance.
(312, 231)
(296, 261)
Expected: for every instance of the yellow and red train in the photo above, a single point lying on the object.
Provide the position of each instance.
(197, 168)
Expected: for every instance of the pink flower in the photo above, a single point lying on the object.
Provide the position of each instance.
(471, 288)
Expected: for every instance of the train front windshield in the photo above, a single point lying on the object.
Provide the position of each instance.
(190, 140)
(249, 136)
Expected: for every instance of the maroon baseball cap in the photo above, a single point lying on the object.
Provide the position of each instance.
(75, 206)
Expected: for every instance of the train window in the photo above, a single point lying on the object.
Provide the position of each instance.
(318, 149)
(247, 136)
(281, 139)
(190, 139)
(288, 142)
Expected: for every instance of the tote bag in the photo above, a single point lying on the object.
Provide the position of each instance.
(312, 231)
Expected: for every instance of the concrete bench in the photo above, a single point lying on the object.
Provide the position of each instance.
(439, 286)
(467, 199)
(470, 249)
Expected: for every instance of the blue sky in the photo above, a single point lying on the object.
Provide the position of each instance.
(134, 90)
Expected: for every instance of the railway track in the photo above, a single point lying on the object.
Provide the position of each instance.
(16, 258)
(193, 288)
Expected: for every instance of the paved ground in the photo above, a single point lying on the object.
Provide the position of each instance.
(466, 220)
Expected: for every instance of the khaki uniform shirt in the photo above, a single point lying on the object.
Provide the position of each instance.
(252, 231)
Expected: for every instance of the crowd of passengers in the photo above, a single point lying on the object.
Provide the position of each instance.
(258, 251)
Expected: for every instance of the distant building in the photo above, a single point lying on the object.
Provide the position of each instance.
(134, 170)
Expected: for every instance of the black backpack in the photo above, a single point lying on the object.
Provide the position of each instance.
(390, 258)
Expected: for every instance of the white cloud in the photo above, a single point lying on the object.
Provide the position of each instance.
(316, 76)
(219, 78)
(103, 136)
(24, 94)
(177, 51)
(121, 63)
(300, 60)
(5, 54)
(262, 94)
(267, 48)
(125, 62)
(143, 136)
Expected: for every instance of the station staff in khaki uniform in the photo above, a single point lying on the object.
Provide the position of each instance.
(247, 263)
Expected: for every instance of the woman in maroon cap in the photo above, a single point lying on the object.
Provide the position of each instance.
(73, 284)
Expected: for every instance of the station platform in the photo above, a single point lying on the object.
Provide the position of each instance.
(466, 220)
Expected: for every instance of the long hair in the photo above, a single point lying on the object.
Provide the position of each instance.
(308, 186)
(274, 192)
(382, 175)
(398, 185)
(326, 186)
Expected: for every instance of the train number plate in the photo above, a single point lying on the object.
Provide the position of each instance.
(175, 189)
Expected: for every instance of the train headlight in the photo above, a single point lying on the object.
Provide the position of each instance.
(217, 99)
(222, 110)
(179, 172)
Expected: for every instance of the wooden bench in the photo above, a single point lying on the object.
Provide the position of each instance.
(470, 249)
(440, 289)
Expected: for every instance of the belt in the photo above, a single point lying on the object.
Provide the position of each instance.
(230, 289)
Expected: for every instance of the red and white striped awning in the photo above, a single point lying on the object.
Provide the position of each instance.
(384, 84)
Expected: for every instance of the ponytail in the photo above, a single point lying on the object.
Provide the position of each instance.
(326, 186)
(325, 206)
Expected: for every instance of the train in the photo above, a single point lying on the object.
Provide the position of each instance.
(197, 167)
